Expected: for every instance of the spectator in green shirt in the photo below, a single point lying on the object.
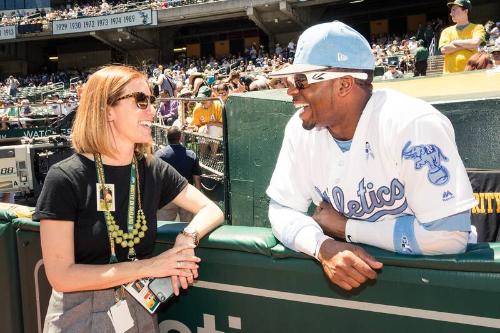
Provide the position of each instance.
(421, 56)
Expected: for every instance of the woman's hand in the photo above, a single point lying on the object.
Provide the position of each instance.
(179, 261)
(186, 246)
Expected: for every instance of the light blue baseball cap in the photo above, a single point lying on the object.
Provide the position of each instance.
(332, 44)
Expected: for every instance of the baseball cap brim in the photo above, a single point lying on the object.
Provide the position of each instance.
(463, 5)
(295, 69)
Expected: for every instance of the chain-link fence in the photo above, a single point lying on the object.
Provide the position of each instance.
(208, 149)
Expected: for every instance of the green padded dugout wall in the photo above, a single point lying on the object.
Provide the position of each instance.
(10, 303)
(249, 283)
(255, 126)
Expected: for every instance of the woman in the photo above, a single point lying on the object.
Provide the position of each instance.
(89, 254)
(478, 61)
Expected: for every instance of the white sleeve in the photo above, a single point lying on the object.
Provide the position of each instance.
(434, 176)
(296, 230)
(290, 184)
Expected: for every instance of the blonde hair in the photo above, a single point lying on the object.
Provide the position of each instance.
(91, 132)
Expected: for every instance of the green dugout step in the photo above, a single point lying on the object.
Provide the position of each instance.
(250, 283)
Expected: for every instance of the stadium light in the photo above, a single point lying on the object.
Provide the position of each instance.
(356, 1)
(55, 58)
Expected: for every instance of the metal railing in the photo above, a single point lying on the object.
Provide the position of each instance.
(208, 149)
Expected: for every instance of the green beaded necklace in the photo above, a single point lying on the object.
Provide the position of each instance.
(136, 231)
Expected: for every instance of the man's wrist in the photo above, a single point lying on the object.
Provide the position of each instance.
(322, 249)
(320, 242)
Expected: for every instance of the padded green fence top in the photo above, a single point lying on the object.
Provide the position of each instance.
(255, 126)
(483, 257)
(8, 212)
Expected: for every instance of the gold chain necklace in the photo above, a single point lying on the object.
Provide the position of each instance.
(137, 230)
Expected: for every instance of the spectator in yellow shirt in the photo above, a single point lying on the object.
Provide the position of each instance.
(207, 115)
(459, 42)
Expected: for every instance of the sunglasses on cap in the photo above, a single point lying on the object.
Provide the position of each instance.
(304, 80)
(141, 99)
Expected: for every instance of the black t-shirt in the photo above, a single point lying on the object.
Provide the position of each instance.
(69, 193)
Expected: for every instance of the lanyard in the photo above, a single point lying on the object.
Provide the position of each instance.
(112, 227)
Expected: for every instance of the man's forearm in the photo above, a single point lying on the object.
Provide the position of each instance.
(469, 44)
(295, 229)
(407, 235)
(450, 48)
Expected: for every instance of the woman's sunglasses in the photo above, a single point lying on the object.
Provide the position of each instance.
(141, 99)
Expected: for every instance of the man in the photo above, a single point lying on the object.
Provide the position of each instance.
(412, 44)
(186, 163)
(207, 115)
(169, 109)
(421, 56)
(392, 73)
(459, 42)
(382, 167)
(207, 119)
(12, 84)
(291, 49)
(165, 83)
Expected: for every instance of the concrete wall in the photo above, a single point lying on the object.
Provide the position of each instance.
(13, 67)
(285, 38)
(84, 59)
(136, 57)
(484, 12)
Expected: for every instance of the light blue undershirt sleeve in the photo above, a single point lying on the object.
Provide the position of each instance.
(457, 222)
(405, 240)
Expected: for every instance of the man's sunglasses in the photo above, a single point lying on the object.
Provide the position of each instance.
(304, 80)
(141, 99)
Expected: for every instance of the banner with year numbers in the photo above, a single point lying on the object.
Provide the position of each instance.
(104, 22)
(8, 32)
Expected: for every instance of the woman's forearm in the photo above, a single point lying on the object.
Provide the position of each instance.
(81, 277)
(207, 219)
(65, 275)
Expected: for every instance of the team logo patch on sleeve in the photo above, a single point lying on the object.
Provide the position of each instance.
(430, 155)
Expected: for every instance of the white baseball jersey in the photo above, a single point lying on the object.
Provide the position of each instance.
(403, 160)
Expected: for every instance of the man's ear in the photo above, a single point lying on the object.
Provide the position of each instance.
(346, 84)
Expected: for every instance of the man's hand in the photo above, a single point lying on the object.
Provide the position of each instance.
(332, 223)
(347, 265)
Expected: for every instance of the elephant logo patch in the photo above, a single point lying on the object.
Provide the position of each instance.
(430, 155)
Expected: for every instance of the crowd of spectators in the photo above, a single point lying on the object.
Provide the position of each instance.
(78, 9)
(400, 56)
(43, 79)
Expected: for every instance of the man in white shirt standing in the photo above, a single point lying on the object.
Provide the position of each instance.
(392, 73)
(381, 167)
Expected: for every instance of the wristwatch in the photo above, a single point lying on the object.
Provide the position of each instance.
(190, 231)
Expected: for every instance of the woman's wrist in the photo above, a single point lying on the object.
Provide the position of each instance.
(182, 239)
(144, 268)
